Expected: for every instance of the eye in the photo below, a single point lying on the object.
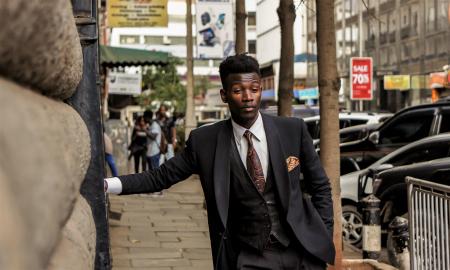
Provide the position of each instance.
(236, 90)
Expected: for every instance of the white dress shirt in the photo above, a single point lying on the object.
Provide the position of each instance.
(259, 143)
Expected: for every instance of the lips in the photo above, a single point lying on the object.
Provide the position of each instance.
(248, 109)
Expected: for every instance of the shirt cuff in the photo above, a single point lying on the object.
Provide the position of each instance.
(114, 185)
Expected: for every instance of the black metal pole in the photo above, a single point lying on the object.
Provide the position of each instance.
(86, 102)
(371, 227)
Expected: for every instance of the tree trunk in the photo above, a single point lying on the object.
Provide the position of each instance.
(190, 114)
(241, 16)
(329, 108)
(286, 15)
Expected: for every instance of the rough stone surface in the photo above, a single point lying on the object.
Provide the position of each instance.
(40, 47)
(76, 250)
(44, 155)
(12, 232)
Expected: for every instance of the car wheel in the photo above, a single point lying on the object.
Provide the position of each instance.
(352, 225)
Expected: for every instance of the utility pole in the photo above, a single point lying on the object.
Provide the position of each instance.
(241, 16)
(190, 122)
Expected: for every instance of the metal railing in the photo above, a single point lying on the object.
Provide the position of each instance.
(429, 216)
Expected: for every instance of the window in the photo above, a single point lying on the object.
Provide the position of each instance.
(408, 128)
(338, 12)
(178, 41)
(252, 46)
(443, 10)
(421, 153)
(153, 40)
(129, 39)
(392, 56)
(430, 47)
(251, 19)
(392, 22)
(430, 15)
(445, 122)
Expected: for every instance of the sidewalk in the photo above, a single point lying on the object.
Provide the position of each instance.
(169, 232)
(161, 233)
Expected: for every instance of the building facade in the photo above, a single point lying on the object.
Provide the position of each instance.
(172, 38)
(268, 46)
(404, 37)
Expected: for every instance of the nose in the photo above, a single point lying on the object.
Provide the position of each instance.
(247, 95)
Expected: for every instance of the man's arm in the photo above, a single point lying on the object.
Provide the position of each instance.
(172, 171)
(316, 180)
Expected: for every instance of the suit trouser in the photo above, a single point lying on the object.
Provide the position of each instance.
(278, 257)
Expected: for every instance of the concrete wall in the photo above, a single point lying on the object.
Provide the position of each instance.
(45, 146)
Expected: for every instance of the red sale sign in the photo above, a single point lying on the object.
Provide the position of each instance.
(361, 78)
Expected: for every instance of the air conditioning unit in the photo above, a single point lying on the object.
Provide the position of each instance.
(166, 40)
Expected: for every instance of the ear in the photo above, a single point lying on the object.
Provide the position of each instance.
(223, 95)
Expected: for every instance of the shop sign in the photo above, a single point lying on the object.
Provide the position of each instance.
(307, 93)
(137, 13)
(419, 82)
(397, 82)
(361, 78)
(439, 80)
(124, 84)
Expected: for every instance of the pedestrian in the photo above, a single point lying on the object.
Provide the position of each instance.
(138, 145)
(109, 154)
(250, 167)
(164, 122)
(153, 151)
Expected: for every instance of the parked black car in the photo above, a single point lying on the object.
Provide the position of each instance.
(390, 187)
(355, 186)
(406, 126)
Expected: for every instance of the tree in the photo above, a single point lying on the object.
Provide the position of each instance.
(165, 86)
(286, 15)
(329, 84)
(241, 16)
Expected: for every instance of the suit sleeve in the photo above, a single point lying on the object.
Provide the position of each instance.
(171, 172)
(316, 180)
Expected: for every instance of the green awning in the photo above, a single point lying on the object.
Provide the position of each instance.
(115, 57)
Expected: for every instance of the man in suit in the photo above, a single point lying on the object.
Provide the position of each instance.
(249, 168)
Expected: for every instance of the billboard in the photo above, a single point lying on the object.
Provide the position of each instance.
(137, 13)
(361, 78)
(124, 84)
(397, 82)
(215, 36)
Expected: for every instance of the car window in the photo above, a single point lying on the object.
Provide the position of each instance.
(352, 136)
(408, 128)
(445, 123)
(343, 123)
(355, 122)
(421, 154)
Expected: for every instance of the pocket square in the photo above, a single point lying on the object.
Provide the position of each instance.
(292, 162)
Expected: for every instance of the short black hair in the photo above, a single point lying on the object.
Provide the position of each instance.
(239, 63)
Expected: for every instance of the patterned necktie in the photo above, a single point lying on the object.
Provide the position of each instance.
(254, 167)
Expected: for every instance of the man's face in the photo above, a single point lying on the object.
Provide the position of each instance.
(243, 95)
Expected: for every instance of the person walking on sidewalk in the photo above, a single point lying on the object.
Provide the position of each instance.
(249, 167)
(138, 145)
(154, 152)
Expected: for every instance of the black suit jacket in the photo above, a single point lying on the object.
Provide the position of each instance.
(207, 154)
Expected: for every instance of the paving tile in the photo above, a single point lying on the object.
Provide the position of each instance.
(162, 262)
